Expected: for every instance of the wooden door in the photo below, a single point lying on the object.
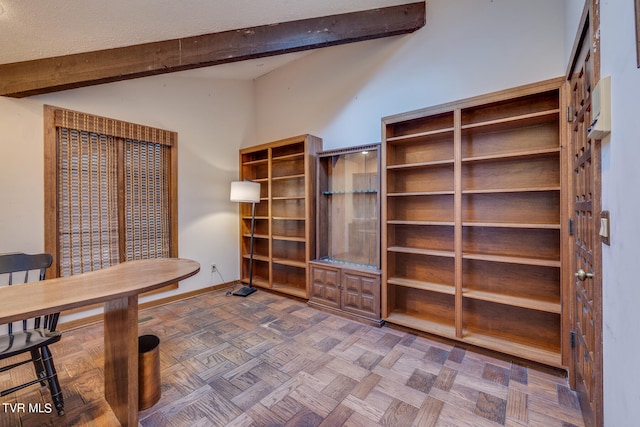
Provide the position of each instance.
(586, 280)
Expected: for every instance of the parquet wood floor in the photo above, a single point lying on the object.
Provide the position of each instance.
(267, 360)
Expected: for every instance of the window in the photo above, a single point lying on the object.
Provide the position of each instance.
(110, 191)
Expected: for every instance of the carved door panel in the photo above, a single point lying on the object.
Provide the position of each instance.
(361, 293)
(325, 286)
(586, 282)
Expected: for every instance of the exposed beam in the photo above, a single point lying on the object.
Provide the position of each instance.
(47, 75)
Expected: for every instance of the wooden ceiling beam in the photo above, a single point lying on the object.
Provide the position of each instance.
(47, 75)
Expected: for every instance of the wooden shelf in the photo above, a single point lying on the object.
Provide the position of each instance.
(418, 135)
(546, 152)
(256, 236)
(413, 222)
(417, 251)
(421, 193)
(511, 190)
(513, 260)
(516, 301)
(290, 290)
(421, 164)
(534, 207)
(289, 262)
(422, 323)
(473, 215)
(425, 286)
(256, 162)
(420, 143)
(525, 351)
(284, 177)
(257, 257)
(288, 198)
(248, 218)
(549, 357)
(257, 281)
(512, 225)
(290, 238)
(431, 208)
(284, 238)
(372, 192)
(515, 121)
(288, 157)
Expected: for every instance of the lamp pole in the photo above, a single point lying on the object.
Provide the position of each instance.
(253, 220)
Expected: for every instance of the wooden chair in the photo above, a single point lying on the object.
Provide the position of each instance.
(32, 336)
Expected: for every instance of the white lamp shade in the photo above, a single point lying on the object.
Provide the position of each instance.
(245, 191)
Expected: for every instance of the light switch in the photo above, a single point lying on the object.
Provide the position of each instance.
(605, 227)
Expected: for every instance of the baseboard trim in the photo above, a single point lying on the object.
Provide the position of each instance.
(78, 323)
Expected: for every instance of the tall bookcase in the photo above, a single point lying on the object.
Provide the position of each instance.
(474, 216)
(284, 237)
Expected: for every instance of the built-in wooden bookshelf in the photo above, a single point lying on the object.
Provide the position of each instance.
(284, 237)
(474, 212)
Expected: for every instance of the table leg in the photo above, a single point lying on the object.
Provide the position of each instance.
(121, 358)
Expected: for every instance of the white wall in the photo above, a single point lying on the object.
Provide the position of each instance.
(467, 48)
(573, 13)
(620, 179)
(213, 118)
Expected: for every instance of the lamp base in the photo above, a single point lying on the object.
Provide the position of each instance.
(244, 291)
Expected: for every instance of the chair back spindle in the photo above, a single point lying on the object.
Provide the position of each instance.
(19, 264)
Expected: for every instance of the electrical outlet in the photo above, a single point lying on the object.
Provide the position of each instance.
(214, 268)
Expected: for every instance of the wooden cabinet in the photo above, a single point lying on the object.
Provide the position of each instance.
(474, 216)
(346, 289)
(346, 275)
(284, 237)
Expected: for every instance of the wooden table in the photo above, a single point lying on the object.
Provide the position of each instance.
(118, 288)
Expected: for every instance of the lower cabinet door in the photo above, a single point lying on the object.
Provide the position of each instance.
(361, 293)
(325, 286)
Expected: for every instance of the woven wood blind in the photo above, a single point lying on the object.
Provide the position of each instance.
(146, 200)
(114, 188)
(88, 201)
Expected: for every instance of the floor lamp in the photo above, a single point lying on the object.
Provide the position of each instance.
(247, 192)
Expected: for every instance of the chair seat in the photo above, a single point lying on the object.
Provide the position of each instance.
(22, 341)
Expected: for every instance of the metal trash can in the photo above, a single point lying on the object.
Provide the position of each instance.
(149, 385)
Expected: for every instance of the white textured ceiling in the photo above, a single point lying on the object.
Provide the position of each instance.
(34, 29)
